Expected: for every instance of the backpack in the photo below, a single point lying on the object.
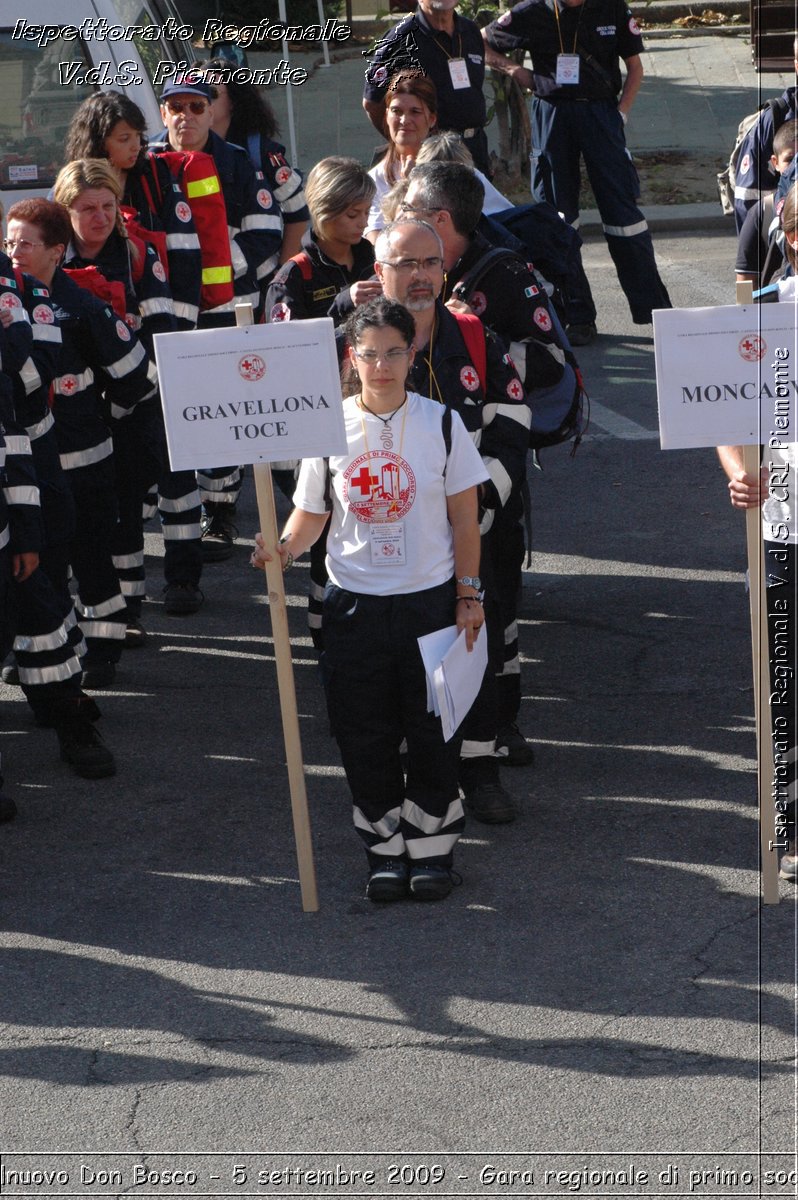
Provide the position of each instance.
(199, 180)
(110, 291)
(153, 237)
(728, 177)
(545, 240)
(558, 411)
(473, 333)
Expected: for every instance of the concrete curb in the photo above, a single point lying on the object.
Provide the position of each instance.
(664, 218)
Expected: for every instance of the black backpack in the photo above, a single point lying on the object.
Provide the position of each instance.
(559, 412)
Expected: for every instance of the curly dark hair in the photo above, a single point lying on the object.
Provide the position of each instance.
(252, 112)
(380, 313)
(94, 121)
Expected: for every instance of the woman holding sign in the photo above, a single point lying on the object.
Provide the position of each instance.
(775, 490)
(403, 557)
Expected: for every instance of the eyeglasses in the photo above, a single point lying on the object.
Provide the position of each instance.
(370, 357)
(406, 266)
(197, 107)
(418, 208)
(20, 244)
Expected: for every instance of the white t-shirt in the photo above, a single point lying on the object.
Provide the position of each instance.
(389, 533)
(494, 200)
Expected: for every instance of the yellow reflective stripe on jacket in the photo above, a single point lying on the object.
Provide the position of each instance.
(212, 275)
(202, 187)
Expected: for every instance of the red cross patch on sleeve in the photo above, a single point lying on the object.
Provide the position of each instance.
(469, 379)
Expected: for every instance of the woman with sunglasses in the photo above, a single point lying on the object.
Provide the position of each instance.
(402, 549)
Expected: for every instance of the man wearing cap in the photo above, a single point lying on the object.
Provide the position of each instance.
(579, 111)
(255, 230)
(438, 42)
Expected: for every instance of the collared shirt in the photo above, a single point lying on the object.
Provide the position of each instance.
(322, 290)
(601, 31)
(413, 43)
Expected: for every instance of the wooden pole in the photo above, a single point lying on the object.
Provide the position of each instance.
(757, 594)
(285, 676)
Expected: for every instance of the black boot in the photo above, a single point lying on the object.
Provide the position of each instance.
(485, 798)
(219, 532)
(83, 748)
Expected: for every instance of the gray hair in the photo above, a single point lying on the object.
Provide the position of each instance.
(383, 243)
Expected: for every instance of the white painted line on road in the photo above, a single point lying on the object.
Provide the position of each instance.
(577, 564)
(618, 426)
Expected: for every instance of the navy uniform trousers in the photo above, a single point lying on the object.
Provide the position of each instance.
(566, 130)
(377, 695)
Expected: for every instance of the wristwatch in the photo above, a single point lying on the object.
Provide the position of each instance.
(473, 581)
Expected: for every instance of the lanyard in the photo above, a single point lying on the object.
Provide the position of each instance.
(443, 48)
(559, 29)
(386, 434)
(428, 360)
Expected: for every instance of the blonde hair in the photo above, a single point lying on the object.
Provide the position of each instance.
(332, 185)
(82, 174)
(446, 146)
(392, 201)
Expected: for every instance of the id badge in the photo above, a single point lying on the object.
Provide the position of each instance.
(387, 543)
(567, 68)
(458, 71)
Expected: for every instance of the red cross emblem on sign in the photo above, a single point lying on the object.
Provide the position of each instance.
(752, 347)
(364, 480)
(469, 379)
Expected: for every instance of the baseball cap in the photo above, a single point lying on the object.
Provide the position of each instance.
(187, 84)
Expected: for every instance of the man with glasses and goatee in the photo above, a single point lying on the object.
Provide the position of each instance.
(460, 363)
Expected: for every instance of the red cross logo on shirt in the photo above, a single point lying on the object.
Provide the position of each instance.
(469, 379)
(363, 481)
(68, 384)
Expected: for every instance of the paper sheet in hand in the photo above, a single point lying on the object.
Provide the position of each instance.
(454, 675)
(433, 646)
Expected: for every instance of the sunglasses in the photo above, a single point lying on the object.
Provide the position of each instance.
(197, 107)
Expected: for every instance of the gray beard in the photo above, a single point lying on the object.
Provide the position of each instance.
(419, 305)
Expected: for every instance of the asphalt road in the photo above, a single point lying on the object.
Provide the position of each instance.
(602, 989)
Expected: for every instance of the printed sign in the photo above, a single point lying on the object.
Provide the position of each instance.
(257, 394)
(726, 375)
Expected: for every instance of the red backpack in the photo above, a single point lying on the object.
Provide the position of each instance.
(196, 173)
(153, 237)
